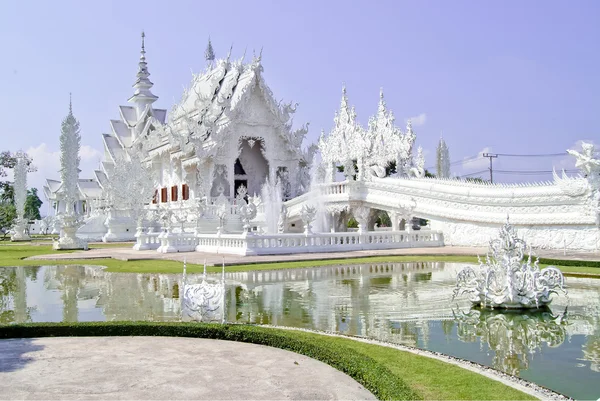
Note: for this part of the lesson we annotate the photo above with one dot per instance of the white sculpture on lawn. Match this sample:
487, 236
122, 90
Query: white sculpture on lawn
70, 219
21, 169
505, 280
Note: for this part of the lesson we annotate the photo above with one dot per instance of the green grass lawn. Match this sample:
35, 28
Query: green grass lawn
387, 372
14, 254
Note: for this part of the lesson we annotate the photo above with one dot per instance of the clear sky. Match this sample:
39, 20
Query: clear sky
504, 76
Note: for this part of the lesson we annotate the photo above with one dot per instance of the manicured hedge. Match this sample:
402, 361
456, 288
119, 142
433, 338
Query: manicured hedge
571, 262
373, 375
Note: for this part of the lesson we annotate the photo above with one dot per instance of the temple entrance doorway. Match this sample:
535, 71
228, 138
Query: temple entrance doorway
251, 168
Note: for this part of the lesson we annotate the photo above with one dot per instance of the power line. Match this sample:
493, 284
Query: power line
532, 155
532, 172
470, 174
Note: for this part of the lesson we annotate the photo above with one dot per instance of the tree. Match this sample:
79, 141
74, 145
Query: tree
8, 215
209, 54
32, 205
428, 174
7, 161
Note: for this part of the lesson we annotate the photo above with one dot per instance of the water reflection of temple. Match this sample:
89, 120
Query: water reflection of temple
387, 301
514, 336
397, 302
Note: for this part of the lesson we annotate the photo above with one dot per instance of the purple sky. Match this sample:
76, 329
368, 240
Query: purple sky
509, 76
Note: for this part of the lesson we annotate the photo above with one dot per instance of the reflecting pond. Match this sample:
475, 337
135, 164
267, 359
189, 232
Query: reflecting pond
405, 303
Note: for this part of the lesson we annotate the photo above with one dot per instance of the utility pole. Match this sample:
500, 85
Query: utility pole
491, 156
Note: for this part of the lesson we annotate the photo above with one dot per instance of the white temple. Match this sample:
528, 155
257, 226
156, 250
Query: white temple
229, 174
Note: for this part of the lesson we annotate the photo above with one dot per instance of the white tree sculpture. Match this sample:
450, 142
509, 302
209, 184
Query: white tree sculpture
130, 186
70, 143
70, 221
443, 160
20, 190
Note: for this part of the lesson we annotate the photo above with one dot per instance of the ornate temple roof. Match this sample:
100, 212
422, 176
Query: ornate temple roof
216, 97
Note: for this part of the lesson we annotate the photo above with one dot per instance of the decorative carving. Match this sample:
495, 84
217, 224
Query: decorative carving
307, 215
205, 301
504, 281
371, 150
589, 163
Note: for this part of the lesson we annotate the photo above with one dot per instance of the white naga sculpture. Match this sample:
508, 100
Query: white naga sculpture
203, 302
505, 281
20, 190
71, 219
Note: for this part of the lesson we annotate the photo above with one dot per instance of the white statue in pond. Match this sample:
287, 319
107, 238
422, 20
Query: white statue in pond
505, 280
205, 301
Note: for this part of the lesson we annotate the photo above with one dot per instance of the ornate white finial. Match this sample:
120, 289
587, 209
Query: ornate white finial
381, 108
142, 95
70, 104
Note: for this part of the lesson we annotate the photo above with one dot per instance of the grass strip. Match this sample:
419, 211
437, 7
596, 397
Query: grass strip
14, 255
390, 374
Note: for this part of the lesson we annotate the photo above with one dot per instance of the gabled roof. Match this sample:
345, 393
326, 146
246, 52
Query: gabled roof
113, 147
214, 97
100, 177
128, 114
53, 185
122, 132
90, 188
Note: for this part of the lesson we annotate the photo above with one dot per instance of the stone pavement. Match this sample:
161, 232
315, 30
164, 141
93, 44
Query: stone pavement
165, 368
213, 259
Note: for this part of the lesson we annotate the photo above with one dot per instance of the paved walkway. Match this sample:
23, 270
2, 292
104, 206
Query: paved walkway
165, 368
213, 259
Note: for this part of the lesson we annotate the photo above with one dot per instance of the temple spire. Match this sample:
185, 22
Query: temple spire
70, 104
381, 109
142, 95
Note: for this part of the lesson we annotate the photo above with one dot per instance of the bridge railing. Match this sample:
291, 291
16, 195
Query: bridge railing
316, 242
261, 244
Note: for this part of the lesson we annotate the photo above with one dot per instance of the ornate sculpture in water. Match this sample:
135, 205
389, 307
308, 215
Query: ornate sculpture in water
505, 280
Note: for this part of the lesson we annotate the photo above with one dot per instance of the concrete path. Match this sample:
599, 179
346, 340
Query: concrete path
213, 259
165, 368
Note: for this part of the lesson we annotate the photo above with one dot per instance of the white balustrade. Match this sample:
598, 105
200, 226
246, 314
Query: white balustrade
145, 241
249, 244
